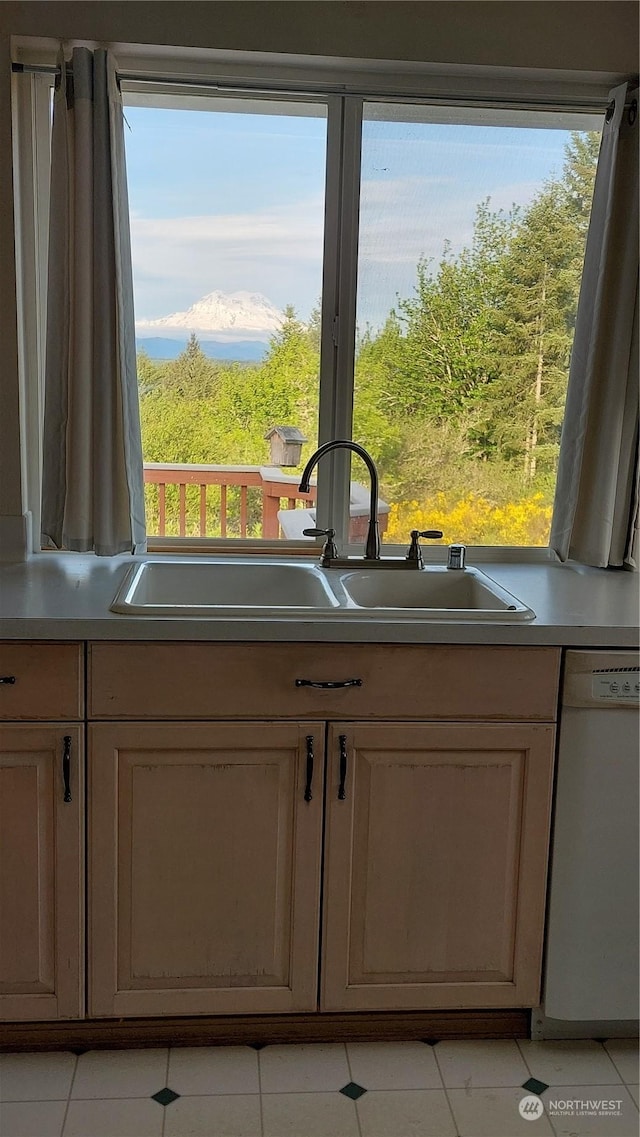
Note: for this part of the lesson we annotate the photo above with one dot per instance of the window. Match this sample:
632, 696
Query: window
472, 236
227, 225
317, 265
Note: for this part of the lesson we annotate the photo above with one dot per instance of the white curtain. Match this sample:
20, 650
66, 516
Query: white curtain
595, 517
92, 492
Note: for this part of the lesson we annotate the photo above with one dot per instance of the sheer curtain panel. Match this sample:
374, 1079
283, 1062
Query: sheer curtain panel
92, 492
595, 517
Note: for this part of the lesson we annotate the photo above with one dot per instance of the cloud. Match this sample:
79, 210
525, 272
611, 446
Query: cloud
237, 230
390, 191
516, 193
405, 219
276, 251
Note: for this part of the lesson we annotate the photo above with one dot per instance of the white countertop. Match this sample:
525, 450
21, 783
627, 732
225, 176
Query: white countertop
66, 596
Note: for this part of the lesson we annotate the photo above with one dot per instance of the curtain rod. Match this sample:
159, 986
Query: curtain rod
578, 103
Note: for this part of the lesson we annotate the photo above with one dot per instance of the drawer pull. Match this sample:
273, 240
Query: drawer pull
331, 685
7, 678
343, 767
66, 767
307, 789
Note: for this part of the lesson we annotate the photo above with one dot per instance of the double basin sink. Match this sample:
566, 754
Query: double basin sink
274, 588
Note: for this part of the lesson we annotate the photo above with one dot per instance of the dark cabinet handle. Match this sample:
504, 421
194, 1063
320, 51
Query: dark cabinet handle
343, 767
330, 685
307, 789
66, 767
7, 678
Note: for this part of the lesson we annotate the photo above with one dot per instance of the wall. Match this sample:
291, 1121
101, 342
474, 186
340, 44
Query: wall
583, 35
561, 35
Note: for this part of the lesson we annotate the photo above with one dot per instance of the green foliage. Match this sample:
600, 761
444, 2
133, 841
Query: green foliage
578, 176
149, 374
192, 375
197, 410
448, 338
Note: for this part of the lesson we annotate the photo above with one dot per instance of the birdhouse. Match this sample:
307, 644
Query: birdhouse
286, 444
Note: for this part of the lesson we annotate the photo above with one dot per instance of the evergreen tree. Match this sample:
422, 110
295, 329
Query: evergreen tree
535, 317
314, 326
448, 352
578, 176
290, 377
192, 374
149, 373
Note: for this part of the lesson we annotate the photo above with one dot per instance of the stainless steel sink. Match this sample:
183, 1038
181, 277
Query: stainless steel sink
198, 587
433, 593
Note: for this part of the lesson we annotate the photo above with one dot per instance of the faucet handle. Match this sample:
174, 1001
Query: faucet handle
414, 553
319, 533
329, 551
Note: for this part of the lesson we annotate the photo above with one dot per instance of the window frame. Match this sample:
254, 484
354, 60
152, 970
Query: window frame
31, 109
344, 92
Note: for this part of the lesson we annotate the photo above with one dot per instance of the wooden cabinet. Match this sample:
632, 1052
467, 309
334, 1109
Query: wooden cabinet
41, 831
435, 865
41, 894
205, 858
209, 829
204, 867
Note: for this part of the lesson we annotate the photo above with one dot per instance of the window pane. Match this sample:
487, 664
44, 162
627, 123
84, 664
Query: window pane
472, 233
227, 214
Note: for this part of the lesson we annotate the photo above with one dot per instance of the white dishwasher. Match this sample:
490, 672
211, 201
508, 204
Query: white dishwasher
591, 970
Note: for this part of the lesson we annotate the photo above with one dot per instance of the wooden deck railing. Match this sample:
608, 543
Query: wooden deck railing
244, 501
248, 499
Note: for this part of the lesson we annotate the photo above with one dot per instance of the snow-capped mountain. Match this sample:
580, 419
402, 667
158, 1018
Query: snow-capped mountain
223, 315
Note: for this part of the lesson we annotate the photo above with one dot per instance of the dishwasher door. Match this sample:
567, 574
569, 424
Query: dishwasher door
591, 970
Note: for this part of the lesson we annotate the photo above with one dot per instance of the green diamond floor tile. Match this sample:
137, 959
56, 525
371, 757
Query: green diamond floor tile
535, 1086
165, 1096
353, 1090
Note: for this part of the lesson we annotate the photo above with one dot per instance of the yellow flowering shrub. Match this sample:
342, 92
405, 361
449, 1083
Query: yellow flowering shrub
473, 520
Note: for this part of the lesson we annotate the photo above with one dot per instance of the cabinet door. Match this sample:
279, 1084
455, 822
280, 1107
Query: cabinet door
41, 847
204, 867
435, 865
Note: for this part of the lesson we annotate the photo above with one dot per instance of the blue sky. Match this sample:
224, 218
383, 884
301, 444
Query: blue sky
234, 201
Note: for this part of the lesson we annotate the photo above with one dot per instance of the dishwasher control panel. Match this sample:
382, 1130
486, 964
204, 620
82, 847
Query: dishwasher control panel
616, 685
604, 679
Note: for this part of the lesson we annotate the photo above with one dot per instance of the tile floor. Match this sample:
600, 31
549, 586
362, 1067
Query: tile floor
403, 1089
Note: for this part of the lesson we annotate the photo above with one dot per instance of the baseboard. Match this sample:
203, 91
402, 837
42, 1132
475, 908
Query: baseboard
547, 1028
230, 1030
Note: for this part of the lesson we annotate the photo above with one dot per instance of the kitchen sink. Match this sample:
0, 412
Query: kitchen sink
198, 587
434, 593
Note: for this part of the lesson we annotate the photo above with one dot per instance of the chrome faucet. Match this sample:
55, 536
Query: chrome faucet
372, 547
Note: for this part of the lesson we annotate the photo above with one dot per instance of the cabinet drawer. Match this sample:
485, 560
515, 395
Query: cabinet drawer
174, 680
42, 681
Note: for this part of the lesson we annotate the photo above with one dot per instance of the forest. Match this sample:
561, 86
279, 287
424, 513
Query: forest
459, 397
